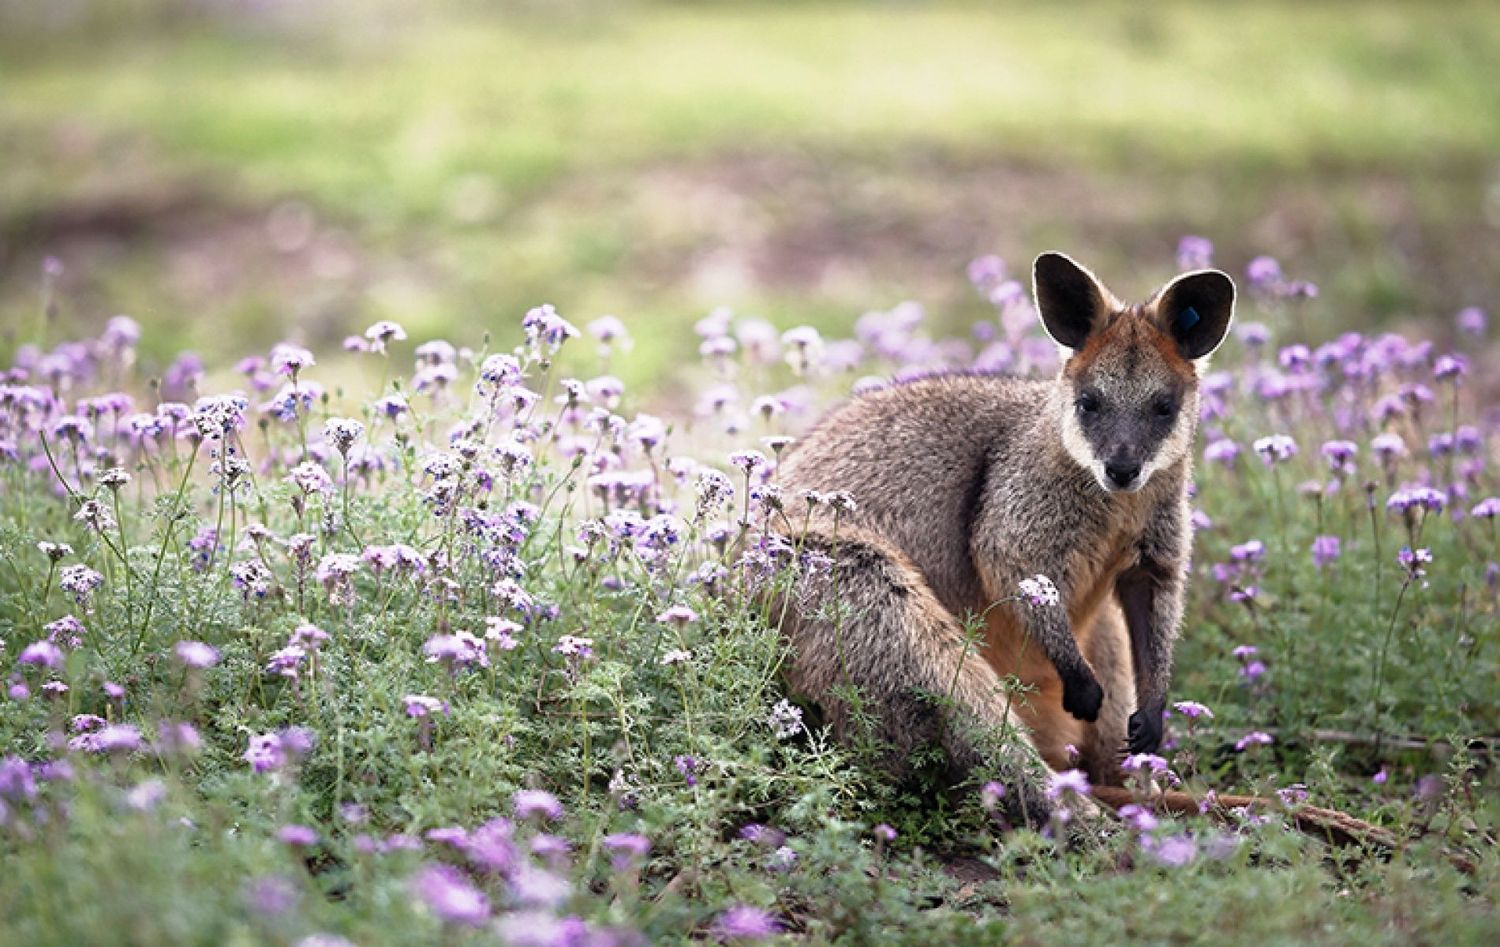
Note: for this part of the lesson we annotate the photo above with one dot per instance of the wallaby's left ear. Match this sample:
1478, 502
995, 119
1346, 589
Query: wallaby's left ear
1196, 309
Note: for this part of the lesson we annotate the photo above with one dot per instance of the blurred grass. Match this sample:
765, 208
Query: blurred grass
456, 163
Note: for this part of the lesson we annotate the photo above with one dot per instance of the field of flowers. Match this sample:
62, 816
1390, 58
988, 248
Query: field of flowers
476, 655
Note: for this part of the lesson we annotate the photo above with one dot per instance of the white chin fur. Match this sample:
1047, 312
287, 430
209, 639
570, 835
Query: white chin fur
1136, 485
1078, 448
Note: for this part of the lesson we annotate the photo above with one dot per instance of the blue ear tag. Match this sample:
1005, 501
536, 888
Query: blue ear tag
1187, 319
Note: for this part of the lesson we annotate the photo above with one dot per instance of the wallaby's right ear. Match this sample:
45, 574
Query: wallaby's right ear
1070, 300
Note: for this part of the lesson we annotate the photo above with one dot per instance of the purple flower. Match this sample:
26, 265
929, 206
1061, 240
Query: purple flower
1144, 763
1251, 551
450, 896
785, 719
748, 460
1471, 321
1222, 451
743, 922
1068, 781
271, 895
1038, 591
1263, 272
884, 833
1194, 253
1193, 710
17, 781
985, 272
220, 415
252, 578
1450, 367
537, 887
297, 836
265, 754
1253, 334
1139, 818
116, 738
1174, 851
546, 331
1425, 498
1340, 455
196, 654
270, 752
146, 795
456, 651
626, 848
342, 433
1325, 549
678, 615
173, 737
803, 348
41, 654
287, 662
80, 582
420, 705
688, 767
308, 636
383, 332
536, 802
1486, 509
1293, 795
1414, 561
1388, 447
287, 359
56, 552
990, 794
1275, 448
1295, 358
1253, 738
571, 646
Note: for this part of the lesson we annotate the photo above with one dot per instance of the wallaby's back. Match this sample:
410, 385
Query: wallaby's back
917, 457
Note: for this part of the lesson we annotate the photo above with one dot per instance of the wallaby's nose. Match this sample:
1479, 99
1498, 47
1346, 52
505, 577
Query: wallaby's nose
1122, 474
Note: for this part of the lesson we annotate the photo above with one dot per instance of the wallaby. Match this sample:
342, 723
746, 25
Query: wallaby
964, 485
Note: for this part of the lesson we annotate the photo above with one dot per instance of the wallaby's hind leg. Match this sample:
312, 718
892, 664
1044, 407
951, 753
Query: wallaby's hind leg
1107, 650
873, 624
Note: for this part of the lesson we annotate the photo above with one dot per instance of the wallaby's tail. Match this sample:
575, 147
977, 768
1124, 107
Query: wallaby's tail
1334, 827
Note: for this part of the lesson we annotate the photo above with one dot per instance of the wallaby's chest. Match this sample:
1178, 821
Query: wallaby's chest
1098, 553
1094, 565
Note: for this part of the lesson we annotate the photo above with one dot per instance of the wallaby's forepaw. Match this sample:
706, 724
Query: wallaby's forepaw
1082, 696
1145, 730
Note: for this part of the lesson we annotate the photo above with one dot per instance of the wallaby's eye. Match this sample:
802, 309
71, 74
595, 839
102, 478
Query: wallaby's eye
1087, 403
1164, 408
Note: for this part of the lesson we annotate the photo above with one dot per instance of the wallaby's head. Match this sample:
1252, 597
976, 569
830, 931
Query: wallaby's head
1128, 389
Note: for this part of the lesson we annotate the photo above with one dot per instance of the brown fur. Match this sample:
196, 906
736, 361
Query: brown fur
967, 484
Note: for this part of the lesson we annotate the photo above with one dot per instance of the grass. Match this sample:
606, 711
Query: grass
806, 160
495, 741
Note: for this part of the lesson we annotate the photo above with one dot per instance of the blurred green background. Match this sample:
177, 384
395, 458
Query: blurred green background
231, 173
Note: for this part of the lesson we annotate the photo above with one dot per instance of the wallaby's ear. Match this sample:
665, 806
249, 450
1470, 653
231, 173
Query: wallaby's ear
1195, 309
1070, 300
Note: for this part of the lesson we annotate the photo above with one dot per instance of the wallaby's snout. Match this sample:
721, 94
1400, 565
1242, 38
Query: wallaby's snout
1123, 470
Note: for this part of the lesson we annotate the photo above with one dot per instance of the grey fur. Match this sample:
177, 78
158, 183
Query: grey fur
965, 485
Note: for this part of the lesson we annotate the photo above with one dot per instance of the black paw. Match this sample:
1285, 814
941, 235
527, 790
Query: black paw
1145, 730
1082, 695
